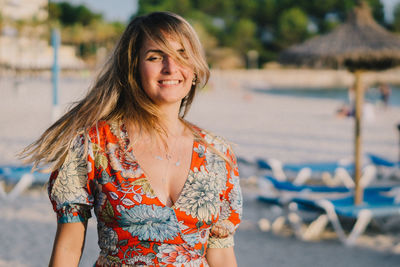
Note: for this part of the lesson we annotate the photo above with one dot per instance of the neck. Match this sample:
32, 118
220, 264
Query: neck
170, 120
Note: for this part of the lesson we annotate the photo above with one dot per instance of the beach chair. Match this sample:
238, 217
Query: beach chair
281, 193
330, 173
285, 193
21, 177
385, 167
375, 205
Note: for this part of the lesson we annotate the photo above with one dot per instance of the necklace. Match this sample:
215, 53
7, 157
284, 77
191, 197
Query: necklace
177, 163
169, 155
151, 148
168, 158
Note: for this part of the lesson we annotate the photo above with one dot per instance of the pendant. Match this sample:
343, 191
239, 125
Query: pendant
178, 163
159, 157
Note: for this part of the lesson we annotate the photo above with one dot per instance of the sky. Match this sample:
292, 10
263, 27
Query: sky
389, 8
122, 10
112, 10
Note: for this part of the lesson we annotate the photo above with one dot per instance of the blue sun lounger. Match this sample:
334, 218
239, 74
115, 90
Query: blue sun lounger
22, 177
385, 167
315, 188
331, 172
281, 193
375, 205
298, 201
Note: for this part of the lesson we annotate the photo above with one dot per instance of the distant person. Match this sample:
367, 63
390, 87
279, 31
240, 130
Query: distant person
165, 192
344, 111
385, 92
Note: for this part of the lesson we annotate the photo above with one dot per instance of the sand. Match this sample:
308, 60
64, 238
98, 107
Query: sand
291, 129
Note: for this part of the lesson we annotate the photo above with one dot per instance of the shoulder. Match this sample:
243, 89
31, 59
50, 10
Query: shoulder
105, 131
217, 141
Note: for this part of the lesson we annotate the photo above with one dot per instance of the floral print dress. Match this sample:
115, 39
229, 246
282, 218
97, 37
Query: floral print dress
134, 227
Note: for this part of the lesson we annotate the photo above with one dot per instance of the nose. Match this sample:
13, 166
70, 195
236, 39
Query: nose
169, 65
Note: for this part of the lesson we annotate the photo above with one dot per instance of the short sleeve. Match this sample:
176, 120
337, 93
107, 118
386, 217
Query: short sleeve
221, 234
69, 190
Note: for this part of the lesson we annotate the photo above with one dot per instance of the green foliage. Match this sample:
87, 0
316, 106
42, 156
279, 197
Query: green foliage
319, 8
266, 12
243, 37
328, 25
54, 11
245, 9
227, 28
292, 26
83, 28
396, 22
344, 6
181, 7
267, 26
377, 10
218, 8
69, 14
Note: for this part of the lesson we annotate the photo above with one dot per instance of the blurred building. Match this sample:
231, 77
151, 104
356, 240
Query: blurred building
24, 9
24, 38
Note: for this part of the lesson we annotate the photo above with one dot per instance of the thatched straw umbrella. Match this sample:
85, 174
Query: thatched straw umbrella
359, 44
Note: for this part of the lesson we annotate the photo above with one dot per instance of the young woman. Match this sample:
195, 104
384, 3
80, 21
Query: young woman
165, 192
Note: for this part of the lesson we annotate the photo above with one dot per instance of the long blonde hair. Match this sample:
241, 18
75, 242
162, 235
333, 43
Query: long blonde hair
117, 93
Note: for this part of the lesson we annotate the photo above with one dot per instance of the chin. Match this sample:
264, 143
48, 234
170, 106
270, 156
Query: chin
169, 100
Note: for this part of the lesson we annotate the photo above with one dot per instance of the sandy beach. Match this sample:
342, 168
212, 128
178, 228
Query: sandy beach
290, 129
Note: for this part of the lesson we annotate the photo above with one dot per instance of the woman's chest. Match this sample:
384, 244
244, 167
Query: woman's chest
122, 185
166, 173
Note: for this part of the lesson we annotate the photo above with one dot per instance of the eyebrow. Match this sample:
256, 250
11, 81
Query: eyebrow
154, 51
162, 52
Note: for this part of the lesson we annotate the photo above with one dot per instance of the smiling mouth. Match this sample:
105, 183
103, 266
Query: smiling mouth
170, 82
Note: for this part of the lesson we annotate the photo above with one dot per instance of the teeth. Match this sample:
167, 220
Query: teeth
171, 82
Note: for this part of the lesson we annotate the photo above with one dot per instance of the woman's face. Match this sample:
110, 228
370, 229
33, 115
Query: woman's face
163, 79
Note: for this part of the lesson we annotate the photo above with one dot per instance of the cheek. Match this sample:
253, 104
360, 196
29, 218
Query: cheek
143, 78
189, 75
146, 74
189, 79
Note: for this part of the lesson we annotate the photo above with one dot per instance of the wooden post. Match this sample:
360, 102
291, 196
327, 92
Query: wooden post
358, 198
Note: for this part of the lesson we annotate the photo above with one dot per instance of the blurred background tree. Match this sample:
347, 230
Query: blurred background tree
228, 29
396, 21
267, 26
86, 30
292, 27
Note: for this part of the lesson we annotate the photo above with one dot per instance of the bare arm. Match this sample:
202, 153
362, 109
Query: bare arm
221, 257
68, 244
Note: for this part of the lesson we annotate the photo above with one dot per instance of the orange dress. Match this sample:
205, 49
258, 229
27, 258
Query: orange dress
134, 226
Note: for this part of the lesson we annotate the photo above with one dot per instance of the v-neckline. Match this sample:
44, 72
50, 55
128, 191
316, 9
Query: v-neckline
129, 150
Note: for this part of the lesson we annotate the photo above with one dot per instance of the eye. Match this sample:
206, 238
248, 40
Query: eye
182, 52
154, 58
